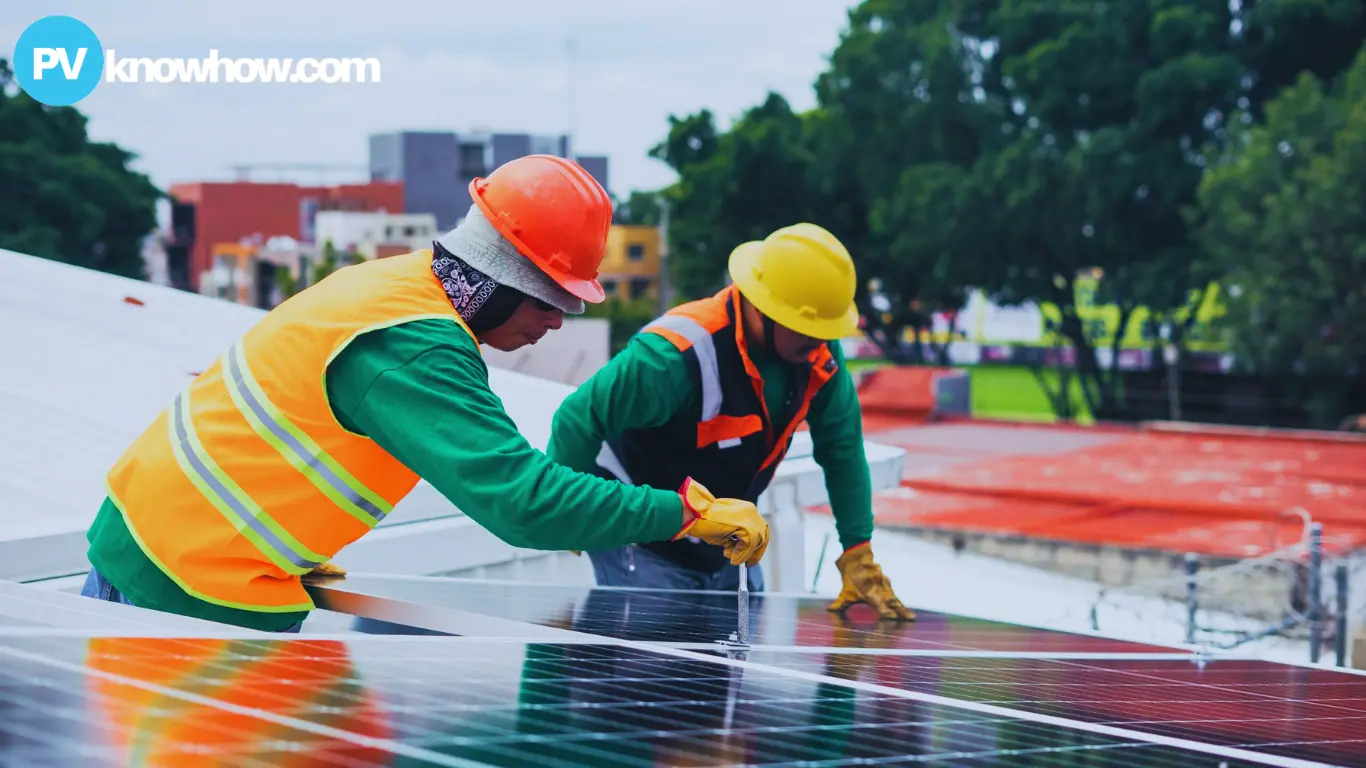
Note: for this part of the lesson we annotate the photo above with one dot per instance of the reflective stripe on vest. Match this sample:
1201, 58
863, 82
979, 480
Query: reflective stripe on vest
702, 344
245, 515
298, 448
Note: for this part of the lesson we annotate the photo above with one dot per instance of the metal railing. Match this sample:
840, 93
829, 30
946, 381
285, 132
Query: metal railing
1281, 594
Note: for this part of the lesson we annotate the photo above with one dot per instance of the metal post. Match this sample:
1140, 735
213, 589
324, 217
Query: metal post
663, 254
1192, 598
819, 562
1340, 638
1315, 591
1171, 355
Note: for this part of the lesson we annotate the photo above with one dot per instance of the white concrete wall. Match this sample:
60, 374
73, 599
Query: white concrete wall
568, 356
366, 228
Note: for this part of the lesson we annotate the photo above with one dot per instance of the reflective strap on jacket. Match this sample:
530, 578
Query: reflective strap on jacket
324, 472
702, 344
230, 500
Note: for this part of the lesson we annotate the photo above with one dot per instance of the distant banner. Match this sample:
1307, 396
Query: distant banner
983, 322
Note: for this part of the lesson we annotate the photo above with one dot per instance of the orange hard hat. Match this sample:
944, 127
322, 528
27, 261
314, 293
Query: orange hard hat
555, 213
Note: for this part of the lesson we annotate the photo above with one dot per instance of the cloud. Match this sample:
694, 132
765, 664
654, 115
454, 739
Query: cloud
446, 66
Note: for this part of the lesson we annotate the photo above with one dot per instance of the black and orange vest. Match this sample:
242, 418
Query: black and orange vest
246, 480
735, 443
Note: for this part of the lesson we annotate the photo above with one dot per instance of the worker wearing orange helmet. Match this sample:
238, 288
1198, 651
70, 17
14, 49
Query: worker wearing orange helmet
715, 390
325, 415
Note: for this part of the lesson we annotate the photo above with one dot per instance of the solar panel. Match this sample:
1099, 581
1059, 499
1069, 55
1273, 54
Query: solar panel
697, 618
462, 701
1297, 712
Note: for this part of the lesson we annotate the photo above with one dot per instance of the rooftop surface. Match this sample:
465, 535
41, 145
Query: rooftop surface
1222, 492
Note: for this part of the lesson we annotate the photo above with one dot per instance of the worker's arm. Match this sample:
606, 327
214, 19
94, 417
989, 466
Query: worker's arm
836, 424
420, 390
837, 445
644, 386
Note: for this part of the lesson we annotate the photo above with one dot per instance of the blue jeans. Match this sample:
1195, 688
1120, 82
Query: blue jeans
98, 587
633, 566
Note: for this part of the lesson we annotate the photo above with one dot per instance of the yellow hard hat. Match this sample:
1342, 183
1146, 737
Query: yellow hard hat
802, 278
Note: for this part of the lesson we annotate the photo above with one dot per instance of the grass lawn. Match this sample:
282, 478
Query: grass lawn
1006, 392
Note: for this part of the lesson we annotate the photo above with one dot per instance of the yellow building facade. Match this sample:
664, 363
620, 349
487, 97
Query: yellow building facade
630, 267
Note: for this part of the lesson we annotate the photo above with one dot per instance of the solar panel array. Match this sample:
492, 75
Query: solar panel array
546, 675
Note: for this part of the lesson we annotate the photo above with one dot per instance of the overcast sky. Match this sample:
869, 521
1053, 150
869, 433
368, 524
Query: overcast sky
448, 65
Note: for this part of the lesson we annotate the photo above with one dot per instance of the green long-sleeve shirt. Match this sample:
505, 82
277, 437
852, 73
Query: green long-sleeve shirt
648, 382
420, 390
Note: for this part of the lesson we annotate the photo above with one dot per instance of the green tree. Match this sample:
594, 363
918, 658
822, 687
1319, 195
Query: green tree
624, 317
1283, 217
64, 197
329, 262
898, 132
642, 208
734, 187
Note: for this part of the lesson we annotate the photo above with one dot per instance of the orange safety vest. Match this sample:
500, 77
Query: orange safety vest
163, 721
735, 444
246, 481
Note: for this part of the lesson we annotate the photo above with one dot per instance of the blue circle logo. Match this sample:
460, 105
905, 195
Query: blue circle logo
58, 60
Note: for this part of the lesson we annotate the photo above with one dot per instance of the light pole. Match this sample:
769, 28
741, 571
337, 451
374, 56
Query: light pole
1171, 354
663, 254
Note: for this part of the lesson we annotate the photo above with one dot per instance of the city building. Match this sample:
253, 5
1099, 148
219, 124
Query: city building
630, 268
436, 167
256, 272
206, 214
375, 234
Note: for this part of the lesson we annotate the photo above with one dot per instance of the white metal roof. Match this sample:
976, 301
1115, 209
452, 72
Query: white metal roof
85, 370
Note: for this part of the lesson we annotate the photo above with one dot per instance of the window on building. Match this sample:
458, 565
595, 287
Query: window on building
609, 287
635, 251
472, 160
639, 286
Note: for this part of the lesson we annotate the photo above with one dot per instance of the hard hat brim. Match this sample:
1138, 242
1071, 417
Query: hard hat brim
590, 291
743, 261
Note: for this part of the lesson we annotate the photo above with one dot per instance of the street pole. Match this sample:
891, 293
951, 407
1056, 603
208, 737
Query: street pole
571, 49
663, 255
1171, 354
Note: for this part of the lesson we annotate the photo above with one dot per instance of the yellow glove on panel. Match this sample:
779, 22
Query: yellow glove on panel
327, 569
733, 524
864, 582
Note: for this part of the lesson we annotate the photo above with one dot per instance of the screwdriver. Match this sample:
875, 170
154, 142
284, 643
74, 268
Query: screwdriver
743, 599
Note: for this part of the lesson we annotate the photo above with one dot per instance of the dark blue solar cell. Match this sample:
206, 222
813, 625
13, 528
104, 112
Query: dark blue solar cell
457, 701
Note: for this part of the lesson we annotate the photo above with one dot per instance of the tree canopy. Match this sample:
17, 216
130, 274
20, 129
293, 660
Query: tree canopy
1283, 222
64, 197
1012, 146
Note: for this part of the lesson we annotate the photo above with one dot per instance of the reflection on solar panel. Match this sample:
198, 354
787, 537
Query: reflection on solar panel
557, 676
471, 702
705, 617
1279, 709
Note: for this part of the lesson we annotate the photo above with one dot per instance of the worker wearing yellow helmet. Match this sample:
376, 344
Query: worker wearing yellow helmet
714, 390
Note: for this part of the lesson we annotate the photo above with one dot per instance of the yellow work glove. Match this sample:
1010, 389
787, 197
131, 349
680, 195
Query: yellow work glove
864, 582
327, 569
732, 524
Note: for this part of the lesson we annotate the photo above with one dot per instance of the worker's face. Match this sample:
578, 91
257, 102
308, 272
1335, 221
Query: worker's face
790, 345
532, 320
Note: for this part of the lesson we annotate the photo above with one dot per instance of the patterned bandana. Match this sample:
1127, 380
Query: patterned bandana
468, 288
483, 303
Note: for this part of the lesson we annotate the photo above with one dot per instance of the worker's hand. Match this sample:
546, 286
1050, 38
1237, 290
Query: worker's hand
328, 569
732, 524
864, 582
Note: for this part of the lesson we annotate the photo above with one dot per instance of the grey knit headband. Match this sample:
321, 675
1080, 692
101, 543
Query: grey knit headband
476, 242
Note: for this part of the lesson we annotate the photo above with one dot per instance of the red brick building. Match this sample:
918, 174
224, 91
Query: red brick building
203, 214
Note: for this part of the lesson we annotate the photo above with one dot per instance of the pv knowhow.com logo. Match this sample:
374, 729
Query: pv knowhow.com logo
58, 61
